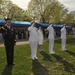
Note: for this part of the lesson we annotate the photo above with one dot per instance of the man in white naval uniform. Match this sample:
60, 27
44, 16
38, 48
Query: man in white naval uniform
40, 39
63, 37
51, 38
33, 40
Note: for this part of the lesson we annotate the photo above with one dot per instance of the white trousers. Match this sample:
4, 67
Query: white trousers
63, 45
33, 45
51, 44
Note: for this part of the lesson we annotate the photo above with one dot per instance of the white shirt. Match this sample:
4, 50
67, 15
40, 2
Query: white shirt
51, 32
8, 27
33, 33
63, 33
0, 36
40, 34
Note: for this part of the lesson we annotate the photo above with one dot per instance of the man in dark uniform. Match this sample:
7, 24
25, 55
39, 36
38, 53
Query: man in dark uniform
9, 40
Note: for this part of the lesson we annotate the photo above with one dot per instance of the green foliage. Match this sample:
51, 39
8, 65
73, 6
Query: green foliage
13, 11
37, 7
62, 63
55, 12
68, 19
73, 14
49, 11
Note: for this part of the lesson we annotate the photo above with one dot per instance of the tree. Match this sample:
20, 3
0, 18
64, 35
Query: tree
36, 8
0, 6
55, 12
11, 10
73, 14
25, 16
49, 11
68, 19
5, 7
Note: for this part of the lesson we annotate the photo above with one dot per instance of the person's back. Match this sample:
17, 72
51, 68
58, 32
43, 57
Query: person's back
40, 34
0, 36
40, 39
63, 33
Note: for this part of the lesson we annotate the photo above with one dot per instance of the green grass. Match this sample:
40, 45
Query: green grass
62, 63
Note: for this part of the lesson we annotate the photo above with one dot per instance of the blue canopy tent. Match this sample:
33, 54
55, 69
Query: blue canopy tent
26, 23
56, 26
16, 23
2, 22
21, 23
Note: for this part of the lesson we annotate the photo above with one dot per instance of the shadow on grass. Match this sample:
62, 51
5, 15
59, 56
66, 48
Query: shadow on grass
68, 66
71, 41
38, 69
68, 41
46, 56
58, 41
7, 70
71, 53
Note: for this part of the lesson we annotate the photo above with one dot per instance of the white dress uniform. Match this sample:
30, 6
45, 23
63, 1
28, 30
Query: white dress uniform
33, 41
51, 39
0, 36
63, 37
40, 37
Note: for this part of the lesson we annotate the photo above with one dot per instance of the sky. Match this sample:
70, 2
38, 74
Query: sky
21, 3
69, 4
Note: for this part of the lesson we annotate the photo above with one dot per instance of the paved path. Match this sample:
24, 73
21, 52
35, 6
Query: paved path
17, 43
